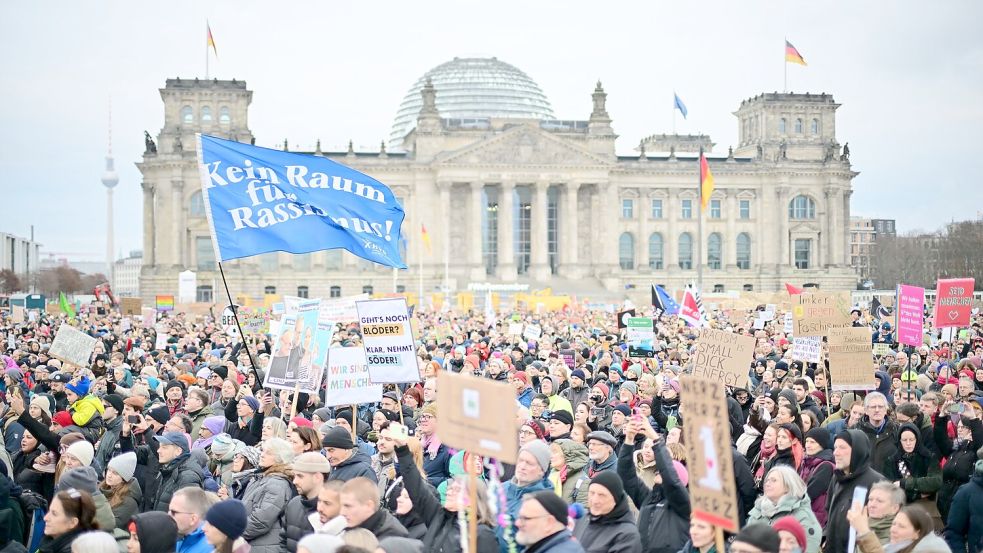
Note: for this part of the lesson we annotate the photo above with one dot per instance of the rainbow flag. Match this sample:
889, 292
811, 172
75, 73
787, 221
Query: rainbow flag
210, 39
706, 182
426, 238
165, 303
792, 55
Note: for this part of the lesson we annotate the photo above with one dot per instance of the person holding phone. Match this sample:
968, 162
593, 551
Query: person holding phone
851, 456
960, 453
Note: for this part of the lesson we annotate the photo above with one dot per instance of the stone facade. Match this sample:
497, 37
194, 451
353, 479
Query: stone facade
543, 202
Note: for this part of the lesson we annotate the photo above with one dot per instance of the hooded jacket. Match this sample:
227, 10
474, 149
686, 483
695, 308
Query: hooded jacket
664, 509
182, 472
572, 484
265, 500
918, 472
295, 521
614, 532
840, 495
513, 501
109, 445
817, 472
958, 468
156, 532
576, 396
964, 526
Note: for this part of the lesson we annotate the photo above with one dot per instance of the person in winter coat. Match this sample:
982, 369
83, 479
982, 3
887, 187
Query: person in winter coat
532, 469
851, 456
436, 455
879, 428
175, 469
702, 537
109, 444
225, 522
542, 525
266, 498
913, 467
442, 526
960, 453
788, 448
245, 419
152, 532
577, 392
121, 489
86, 409
964, 527
70, 514
346, 461
785, 495
817, 470
609, 526
664, 509
568, 461
912, 531
310, 471
361, 508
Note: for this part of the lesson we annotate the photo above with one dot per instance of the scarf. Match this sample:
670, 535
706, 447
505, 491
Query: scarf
175, 406
766, 454
431, 444
881, 527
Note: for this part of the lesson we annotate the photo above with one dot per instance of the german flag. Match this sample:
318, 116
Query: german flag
706, 182
792, 55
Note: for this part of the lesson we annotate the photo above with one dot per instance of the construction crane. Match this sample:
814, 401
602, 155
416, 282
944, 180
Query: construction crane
107, 290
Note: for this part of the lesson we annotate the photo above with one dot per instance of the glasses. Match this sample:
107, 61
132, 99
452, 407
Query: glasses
426, 417
522, 518
526, 432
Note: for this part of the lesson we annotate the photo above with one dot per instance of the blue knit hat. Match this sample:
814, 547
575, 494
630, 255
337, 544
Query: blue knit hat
81, 388
229, 517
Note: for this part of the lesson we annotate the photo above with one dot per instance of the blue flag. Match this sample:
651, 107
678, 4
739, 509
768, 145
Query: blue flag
680, 105
260, 200
662, 300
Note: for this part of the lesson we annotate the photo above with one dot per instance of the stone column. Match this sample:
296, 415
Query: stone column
831, 232
506, 244
539, 268
670, 246
444, 189
784, 259
477, 208
609, 206
731, 210
149, 259
642, 242
568, 232
181, 229
844, 232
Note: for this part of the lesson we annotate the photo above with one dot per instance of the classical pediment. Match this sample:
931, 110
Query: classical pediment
523, 145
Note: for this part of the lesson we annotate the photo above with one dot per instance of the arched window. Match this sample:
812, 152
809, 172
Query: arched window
685, 251
206, 114
814, 127
223, 115
655, 251
626, 250
187, 115
798, 126
197, 205
781, 125
714, 251
743, 251
802, 207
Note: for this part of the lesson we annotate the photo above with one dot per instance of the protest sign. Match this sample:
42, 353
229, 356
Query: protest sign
228, 320
533, 332
161, 341
815, 313
130, 306
641, 337
52, 309
569, 358
953, 302
515, 329
72, 346
388, 340
18, 314
148, 315
164, 303
759, 323
712, 485
807, 348
723, 356
470, 415
851, 362
623, 317
347, 380
911, 310
259, 200
881, 349
295, 350
789, 323
340, 310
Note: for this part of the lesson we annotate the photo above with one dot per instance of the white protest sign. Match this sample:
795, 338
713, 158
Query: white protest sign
789, 323
515, 329
72, 346
161, 341
228, 320
807, 348
388, 339
274, 327
347, 380
533, 332
147, 316
759, 323
340, 310
769, 313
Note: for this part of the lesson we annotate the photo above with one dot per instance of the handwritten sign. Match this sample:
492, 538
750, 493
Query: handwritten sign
131, 306
388, 339
789, 324
723, 357
470, 415
18, 314
851, 361
712, 486
72, 346
515, 329
807, 348
533, 332
881, 349
953, 302
347, 379
816, 313
911, 310
341, 310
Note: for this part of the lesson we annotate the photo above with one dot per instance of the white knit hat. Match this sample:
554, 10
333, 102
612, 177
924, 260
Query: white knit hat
83, 451
124, 465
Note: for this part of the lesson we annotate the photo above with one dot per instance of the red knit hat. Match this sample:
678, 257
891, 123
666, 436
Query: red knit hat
603, 388
792, 526
62, 418
521, 375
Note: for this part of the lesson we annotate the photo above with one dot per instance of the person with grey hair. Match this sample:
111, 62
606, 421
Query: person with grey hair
883, 503
881, 431
785, 495
319, 543
266, 498
94, 542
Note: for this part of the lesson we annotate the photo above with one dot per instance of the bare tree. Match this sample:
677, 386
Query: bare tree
9, 282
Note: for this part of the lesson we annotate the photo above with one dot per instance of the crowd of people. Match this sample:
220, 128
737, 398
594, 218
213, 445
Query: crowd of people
180, 448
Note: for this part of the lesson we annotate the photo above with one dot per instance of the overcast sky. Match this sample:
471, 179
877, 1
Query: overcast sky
908, 74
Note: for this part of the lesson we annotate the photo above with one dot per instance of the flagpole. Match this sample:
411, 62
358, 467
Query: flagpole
235, 316
419, 302
785, 68
674, 112
206, 54
699, 221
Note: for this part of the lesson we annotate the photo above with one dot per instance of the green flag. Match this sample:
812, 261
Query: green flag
65, 306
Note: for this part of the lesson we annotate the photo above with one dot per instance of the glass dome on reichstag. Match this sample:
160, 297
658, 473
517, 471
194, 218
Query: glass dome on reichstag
470, 90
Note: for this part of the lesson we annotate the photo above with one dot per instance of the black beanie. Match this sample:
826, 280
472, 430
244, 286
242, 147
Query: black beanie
821, 436
760, 535
222, 371
554, 505
160, 414
563, 416
174, 384
338, 437
610, 480
793, 429
115, 400
229, 517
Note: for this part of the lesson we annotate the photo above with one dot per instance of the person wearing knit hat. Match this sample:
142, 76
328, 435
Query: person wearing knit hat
560, 425
83, 479
115, 401
79, 454
611, 525
160, 415
759, 536
790, 533
225, 522
62, 419
43, 403
310, 472
542, 524
346, 460
124, 465
821, 437
540, 452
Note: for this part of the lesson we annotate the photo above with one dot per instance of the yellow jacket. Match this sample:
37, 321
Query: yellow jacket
84, 409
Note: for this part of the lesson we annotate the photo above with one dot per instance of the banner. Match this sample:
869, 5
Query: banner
706, 434
471, 418
641, 337
953, 302
807, 348
72, 346
911, 310
347, 379
851, 359
260, 200
814, 313
723, 356
340, 310
295, 351
164, 303
388, 339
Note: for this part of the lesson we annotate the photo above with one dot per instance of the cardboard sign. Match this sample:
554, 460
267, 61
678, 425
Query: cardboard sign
723, 357
52, 309
295, 350
953, 302
641, 337
471, 415
712, 486
130, 306
161, 341
72, 346
807, 348
347, 379
164, 303
817, 312
18, 314
533, 332
851, 361
388, 340
911, 308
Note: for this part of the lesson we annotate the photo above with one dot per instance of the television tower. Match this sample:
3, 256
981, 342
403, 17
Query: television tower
110, 179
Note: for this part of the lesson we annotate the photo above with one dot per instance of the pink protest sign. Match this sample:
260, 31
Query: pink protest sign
911, 307
953, 302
